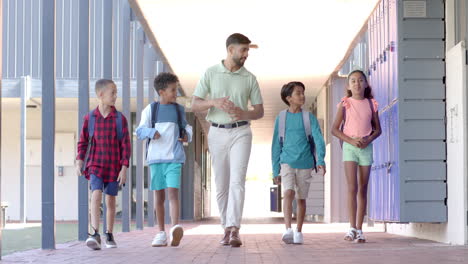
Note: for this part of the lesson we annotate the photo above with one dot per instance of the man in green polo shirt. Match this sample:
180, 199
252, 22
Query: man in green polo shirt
225, 91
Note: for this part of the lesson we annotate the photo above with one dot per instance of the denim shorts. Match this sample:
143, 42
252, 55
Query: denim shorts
109, 188
164, 175
363, 157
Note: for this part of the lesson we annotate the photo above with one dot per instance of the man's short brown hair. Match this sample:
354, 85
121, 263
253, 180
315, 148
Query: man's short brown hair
101, 84
237, 38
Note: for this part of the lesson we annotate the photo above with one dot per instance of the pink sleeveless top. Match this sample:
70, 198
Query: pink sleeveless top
358, 116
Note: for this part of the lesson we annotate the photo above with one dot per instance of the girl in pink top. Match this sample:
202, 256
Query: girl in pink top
358, 112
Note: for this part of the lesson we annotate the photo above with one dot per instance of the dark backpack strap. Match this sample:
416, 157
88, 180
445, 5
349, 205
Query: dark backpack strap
179, 116
372, 111
344, 114
182, 131
119, 126
370, 104
154, 119
91, 122
306, 122
154, 113
343, 111
310, 138
282, 127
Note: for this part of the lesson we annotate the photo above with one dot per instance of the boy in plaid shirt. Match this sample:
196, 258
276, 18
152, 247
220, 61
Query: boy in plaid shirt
107, 159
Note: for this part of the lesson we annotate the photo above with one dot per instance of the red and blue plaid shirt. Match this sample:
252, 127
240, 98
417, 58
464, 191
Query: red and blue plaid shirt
107, 154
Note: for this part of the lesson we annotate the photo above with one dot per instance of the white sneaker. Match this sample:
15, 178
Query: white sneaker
288, 236
298, 237
176, 233
360, 238
351, 235
160, 240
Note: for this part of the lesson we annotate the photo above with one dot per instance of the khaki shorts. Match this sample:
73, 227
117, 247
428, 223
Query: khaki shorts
297, 180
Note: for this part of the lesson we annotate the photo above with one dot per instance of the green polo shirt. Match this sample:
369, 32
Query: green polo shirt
217, 82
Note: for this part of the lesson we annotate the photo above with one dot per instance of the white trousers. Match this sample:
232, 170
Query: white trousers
230, 152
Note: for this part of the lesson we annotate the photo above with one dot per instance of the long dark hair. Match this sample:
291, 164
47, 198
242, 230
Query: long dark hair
367, 91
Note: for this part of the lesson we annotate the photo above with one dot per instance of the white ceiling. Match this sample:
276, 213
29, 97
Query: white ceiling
301, 40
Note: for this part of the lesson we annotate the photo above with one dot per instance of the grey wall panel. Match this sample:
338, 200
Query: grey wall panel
422, 69
432, 49
429, 129
429, 191
27, 38
59, 37
36, 36
133, 48
425, 170
19, 37
117, 51
92, 39
423, 89
9, 39
74, 52
96, 40
67, 39
422, 109
429, 211
422, 150
22, 39
422, 29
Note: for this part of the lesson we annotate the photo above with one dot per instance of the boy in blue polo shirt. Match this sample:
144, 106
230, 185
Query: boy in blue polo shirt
297, 149
164, 124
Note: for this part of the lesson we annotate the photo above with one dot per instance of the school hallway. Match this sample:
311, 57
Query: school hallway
262, 244
414, 54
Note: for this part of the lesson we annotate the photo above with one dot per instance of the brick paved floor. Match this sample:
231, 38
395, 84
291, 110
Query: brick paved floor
262, 244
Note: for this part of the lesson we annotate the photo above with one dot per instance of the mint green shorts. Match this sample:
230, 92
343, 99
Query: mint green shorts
363, 157
164, 175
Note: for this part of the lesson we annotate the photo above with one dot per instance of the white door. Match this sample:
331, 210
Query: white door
457, 197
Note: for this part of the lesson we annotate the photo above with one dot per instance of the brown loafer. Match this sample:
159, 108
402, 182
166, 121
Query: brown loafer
225, 240
234, 240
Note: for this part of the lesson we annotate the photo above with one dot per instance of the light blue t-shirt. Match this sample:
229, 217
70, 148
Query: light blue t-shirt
296, 149
168, 148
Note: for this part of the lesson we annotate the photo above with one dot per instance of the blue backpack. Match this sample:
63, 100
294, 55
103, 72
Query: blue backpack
154, 119
91, 123
307, 128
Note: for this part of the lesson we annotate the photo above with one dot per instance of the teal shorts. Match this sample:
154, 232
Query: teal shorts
363, 157
164, 175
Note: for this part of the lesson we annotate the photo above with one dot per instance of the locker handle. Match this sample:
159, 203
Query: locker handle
389, 167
